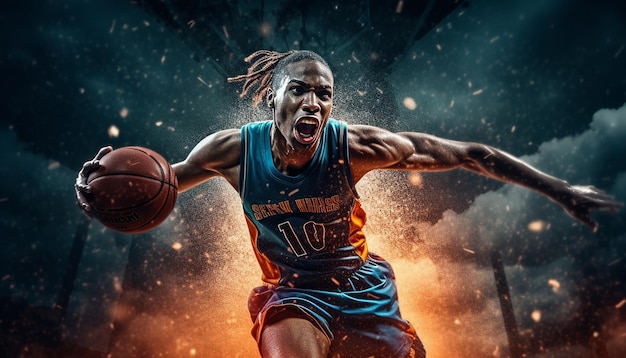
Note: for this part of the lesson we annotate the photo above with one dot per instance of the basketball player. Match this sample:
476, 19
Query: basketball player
324, 294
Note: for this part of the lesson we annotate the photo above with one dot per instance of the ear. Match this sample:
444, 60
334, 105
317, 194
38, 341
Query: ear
269, 98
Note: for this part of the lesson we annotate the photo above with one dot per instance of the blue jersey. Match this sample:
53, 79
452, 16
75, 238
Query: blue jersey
306, 229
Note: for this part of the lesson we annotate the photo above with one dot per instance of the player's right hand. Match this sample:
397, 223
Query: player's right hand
81, 187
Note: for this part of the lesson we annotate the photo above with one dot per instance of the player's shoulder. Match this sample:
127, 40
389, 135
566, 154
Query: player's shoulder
230, 136
221, 142
228, 133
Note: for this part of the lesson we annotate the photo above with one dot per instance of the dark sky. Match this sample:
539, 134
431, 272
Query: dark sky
544, 80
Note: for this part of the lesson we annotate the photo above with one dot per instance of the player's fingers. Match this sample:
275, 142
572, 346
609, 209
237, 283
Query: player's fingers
84, 172
82, 201
589, 221
607, 204
90, 166
613, 206
102, 152
83, 188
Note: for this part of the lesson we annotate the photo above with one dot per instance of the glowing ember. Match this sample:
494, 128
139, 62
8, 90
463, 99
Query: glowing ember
54, 165
124, 112
399, 6
537, 226
409, 103
265, 29
177, 246
113, 131
117, 284
536, 315
416, 179
554, 284
203, 81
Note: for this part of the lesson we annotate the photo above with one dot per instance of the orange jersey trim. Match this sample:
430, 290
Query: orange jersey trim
357, 237
270, 271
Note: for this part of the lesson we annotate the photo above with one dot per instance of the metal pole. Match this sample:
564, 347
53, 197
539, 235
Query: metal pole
506, 305
71, 269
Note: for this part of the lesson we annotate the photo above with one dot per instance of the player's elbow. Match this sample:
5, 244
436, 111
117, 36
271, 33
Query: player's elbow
479, 155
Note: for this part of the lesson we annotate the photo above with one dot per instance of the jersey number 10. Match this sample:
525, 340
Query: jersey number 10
315, 237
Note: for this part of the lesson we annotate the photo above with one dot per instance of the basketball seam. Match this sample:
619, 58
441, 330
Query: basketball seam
143, 202
169, 194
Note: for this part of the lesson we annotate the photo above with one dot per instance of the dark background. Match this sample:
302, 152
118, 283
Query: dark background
544, 80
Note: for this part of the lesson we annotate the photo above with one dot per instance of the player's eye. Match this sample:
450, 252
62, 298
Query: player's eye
297, 90
325, 95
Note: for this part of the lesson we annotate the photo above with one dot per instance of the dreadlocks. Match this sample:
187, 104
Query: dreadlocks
265, 64
260, 72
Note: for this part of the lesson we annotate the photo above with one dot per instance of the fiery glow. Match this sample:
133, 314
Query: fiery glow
208, 314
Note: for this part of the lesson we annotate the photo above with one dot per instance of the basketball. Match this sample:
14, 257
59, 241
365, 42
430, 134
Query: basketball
133, 191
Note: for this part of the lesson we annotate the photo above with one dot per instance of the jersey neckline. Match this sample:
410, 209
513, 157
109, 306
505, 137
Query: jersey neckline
277, 174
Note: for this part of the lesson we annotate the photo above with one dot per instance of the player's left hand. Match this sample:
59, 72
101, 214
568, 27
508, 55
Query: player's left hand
580, 201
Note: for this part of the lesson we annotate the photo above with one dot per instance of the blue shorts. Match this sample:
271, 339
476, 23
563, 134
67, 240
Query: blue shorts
361, 321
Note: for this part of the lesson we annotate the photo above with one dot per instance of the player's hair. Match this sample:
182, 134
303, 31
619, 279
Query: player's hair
268, 68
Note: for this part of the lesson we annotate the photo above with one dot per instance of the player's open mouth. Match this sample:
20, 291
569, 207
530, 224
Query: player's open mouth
306, 130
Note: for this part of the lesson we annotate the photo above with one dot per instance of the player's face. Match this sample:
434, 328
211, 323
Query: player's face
303, 103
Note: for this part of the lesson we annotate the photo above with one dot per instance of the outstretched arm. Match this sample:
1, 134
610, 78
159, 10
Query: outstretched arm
374, 148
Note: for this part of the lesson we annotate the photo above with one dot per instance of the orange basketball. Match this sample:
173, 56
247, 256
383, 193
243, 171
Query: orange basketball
133, 191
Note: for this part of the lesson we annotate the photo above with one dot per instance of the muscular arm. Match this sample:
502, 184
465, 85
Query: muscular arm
374, 148
216, 155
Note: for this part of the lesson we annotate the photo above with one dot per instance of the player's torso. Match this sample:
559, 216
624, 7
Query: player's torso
307, 227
